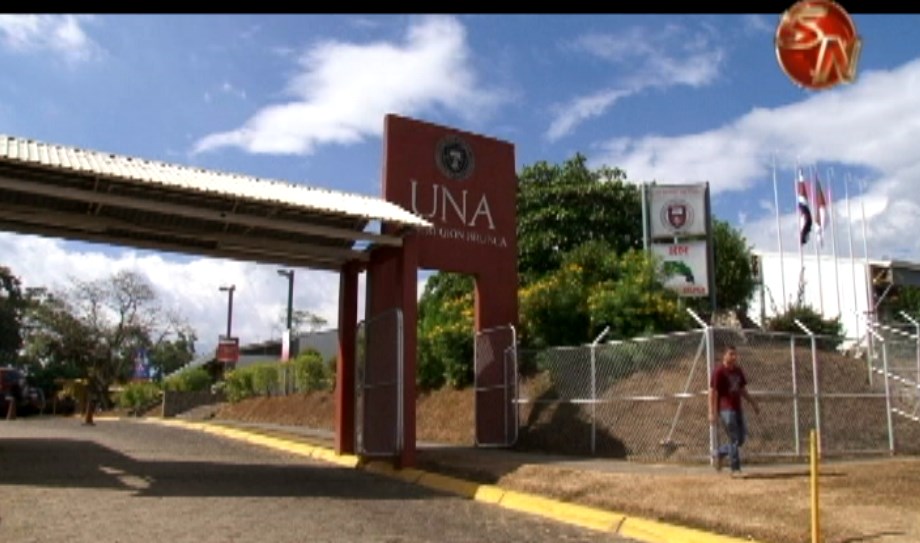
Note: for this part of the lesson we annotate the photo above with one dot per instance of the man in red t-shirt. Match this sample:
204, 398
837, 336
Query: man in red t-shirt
726, 389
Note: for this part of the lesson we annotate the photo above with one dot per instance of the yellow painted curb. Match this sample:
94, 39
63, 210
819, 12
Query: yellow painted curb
448, 484
645, 530
580, 515
409, 475
489, 494
329, 455
660, 532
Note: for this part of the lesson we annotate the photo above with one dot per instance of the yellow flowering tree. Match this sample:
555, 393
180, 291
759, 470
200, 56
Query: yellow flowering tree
445, 332
595, 288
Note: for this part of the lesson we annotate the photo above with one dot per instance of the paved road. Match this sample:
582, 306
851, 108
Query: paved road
122, 481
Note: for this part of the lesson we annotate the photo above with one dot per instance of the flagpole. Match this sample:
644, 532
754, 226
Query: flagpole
779, 237
830, 206
846, 188
798, 181
819, 232
870, 311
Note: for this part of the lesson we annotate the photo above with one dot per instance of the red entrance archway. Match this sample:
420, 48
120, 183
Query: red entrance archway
465, 185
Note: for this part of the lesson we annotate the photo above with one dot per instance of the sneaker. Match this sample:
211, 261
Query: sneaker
736, 474
718, 461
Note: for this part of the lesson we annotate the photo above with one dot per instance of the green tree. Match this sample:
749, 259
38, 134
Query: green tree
581, 268
174, 348
595, 288
97, 327
12, 305
902, 298
303, 321
632, 299
735, 283
445, 324
56, 344
560, 207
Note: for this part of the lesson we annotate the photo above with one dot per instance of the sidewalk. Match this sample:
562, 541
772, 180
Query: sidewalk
475, 473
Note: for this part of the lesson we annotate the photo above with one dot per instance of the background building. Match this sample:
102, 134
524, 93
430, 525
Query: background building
853, 289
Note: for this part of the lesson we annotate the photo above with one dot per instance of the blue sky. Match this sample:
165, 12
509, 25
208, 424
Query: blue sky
671, 98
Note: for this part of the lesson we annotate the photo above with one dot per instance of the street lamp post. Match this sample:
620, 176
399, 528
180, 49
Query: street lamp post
290, 307
229, 290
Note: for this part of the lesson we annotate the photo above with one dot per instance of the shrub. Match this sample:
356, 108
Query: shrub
829, 331
239, 385
264, 378
139, 394
188, 380
310, 372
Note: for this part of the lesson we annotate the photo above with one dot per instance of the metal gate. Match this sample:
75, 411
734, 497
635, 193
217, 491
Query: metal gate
496, 387
379, 385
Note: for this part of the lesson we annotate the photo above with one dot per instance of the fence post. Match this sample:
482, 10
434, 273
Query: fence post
594, 387
817, 383
917, 348
887, 378
710, 367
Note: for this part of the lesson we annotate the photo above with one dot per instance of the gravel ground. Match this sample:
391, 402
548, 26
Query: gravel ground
120, 481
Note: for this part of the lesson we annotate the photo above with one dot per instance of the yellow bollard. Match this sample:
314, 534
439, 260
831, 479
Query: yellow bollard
815, 520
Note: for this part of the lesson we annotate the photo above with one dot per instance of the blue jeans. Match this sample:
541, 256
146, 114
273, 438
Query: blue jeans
736, 428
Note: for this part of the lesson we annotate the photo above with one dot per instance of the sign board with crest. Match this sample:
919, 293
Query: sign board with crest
677, 210
678, 231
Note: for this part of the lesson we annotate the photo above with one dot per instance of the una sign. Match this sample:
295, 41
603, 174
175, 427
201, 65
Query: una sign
463, 183
677, 210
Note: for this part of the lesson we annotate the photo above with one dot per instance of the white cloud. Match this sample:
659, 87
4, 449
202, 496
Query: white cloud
870, 126
760, 23
190, 286
364, 22
873, 123
344, 90
61, 34
658, 59
581, 109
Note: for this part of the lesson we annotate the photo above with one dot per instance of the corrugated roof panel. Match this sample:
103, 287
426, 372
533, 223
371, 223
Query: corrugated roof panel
32, 151
61, 156
13, 149
64, 157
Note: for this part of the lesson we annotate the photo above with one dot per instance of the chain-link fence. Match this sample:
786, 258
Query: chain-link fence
647, 399
634, 399
895, 353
